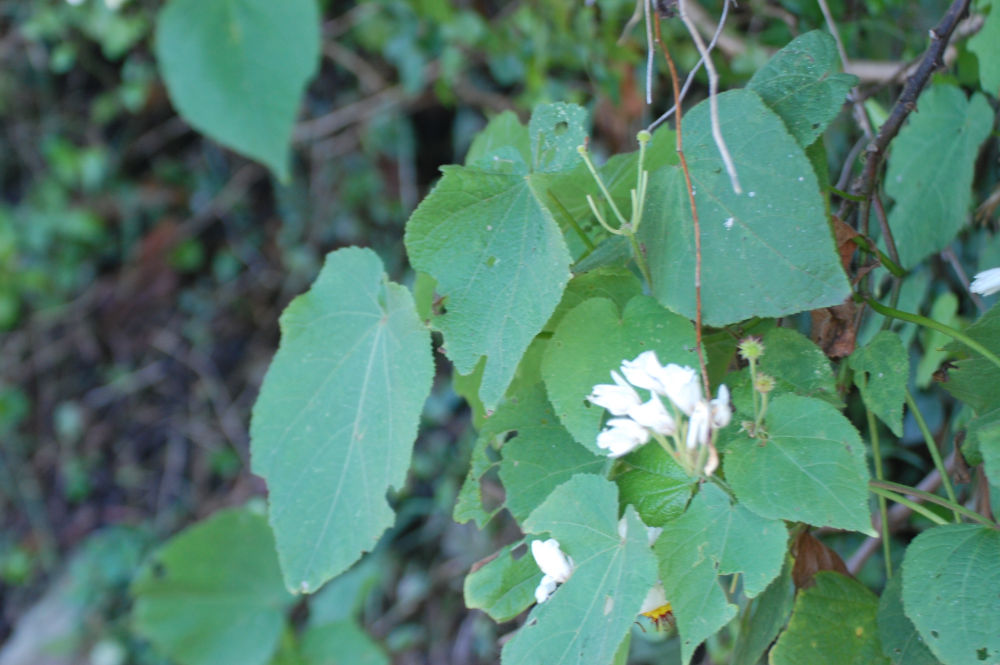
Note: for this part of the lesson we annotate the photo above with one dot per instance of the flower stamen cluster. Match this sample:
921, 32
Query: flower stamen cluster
690, 422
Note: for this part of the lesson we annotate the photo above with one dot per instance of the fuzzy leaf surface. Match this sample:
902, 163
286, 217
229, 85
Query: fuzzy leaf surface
811, 467
588, 617
802, 84
486, 235
901, 643
766, 252
951, 592
714, 537
334, 425
213, 594
833, 623
930, 170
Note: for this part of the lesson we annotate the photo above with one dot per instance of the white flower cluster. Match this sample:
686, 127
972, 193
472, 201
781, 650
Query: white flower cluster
556, 567
987, 282
637, 420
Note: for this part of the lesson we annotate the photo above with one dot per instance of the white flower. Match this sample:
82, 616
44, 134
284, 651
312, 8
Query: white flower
622, 436
644, 372
722, 413
618, 398
987, 282
681, 385
545, 589
698, 428
556, 566
653, 415
655, 599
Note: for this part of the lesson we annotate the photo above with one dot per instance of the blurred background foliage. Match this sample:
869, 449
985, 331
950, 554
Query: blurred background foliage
143, 268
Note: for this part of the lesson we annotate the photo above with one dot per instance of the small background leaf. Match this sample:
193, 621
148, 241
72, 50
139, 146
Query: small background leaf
933, 195
810, 469
340, 642
236, 69
768, 616
833, 623
881, 372
712, 538
589, 616
951, 592
213, 594
503, 587
801, 84
334, 424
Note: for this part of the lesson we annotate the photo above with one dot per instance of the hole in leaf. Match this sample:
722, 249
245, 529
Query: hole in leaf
159, 570
934, 634
491, 261
982, 653
560, 128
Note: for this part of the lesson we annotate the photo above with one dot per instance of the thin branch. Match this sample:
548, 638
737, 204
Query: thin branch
948, 254
650, 48
907, 102
828, 17
694, 212
713, 96
697, 67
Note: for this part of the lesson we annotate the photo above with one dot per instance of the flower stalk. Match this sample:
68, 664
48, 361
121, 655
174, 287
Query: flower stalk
630, 227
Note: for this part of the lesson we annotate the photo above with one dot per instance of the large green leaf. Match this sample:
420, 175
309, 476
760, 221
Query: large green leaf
810, 467
833, 623
942, 137
486, 235
801, 84
881, 372
951, 592
593, 339
334, 425
236, 69
589, 616
503, 587
900, 641
714, 537
766, 252
213, 594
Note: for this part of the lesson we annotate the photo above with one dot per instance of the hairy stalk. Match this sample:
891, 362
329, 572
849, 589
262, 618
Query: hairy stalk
883, 510
956, 335
699, 347
932, 447
930, 498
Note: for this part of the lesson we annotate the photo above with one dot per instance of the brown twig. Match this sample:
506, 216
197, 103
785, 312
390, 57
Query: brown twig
905, 104
694, 209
